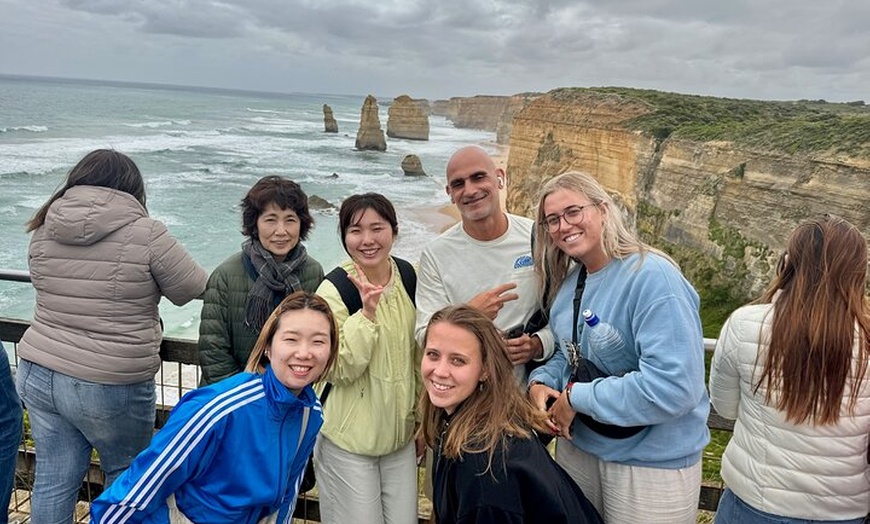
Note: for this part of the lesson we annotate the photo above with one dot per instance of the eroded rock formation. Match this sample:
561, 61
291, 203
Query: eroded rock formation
446, 108
319, 203
329, 123
406, 119
423, 104
476, 112
723, 210
488, 113
506, 121
412, 166
370, 135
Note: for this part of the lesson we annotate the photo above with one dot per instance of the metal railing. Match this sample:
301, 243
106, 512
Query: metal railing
14, 275
179, 374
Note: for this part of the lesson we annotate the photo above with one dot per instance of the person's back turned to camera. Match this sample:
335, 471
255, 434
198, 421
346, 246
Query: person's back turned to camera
792, 370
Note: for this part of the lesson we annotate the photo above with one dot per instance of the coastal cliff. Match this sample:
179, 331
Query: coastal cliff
717, 183
488, 113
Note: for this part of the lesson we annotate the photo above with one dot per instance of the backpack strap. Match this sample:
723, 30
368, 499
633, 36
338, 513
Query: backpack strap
350, 294
409, 278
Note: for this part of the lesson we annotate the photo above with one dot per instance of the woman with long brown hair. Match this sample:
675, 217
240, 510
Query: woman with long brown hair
489, 466
792, 370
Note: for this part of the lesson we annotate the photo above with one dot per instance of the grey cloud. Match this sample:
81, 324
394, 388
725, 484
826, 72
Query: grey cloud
99, 7
188, 18
823, 53
456, 47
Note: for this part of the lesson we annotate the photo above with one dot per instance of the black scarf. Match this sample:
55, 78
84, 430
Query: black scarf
274, 279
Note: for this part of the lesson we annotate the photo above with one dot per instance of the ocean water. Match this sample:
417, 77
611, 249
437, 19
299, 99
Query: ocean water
200, 151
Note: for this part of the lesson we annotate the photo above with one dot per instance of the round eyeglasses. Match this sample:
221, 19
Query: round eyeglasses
573, 215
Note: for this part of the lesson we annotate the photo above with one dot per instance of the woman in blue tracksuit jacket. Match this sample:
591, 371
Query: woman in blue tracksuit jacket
236, 451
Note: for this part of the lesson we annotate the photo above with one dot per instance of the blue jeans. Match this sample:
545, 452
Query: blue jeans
10, 433
68, 418
733, 510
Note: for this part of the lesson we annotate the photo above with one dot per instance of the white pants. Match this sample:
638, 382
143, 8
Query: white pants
366, 490
626, 494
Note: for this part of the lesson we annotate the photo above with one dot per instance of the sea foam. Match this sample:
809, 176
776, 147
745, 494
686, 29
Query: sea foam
31, 129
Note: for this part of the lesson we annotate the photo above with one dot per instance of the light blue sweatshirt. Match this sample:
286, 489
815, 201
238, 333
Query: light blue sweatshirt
655, 310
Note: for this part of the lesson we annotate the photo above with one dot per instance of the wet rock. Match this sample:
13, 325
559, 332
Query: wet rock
316, 202
412, 166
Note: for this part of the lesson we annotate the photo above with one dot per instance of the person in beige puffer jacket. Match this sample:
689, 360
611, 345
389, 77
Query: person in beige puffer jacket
99, 265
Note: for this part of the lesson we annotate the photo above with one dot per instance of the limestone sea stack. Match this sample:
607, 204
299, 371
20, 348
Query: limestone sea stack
407, 120
412, 166
370, 135
329, 123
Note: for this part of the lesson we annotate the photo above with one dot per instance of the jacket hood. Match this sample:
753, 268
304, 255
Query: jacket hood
85, 215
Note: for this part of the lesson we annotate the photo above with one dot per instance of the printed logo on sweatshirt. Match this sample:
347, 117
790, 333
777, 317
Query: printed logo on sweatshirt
523, 261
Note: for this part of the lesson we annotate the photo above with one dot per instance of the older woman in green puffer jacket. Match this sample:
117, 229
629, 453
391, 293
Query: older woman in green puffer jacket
246, 287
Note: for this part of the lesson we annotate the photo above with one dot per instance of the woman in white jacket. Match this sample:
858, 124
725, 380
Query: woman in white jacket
792, 370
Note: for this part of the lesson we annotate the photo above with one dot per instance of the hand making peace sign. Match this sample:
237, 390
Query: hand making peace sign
369, 293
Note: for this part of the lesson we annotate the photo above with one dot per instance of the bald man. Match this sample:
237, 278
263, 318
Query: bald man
485, 260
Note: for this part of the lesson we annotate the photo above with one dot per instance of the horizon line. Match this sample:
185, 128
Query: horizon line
168, 87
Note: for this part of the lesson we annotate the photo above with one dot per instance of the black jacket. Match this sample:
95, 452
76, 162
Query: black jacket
525, 485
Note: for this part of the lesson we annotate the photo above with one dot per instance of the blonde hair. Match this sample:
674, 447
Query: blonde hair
299, 300
551, 263
496, 410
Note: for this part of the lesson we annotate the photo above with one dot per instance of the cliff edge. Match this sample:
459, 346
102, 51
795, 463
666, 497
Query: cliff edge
718, 183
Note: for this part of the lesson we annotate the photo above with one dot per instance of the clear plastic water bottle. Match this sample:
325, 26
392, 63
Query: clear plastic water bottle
603, 340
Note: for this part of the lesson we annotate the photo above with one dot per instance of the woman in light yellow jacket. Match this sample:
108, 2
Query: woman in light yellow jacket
365, 457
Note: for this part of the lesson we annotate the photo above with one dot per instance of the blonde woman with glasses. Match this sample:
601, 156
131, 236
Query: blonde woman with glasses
631, 438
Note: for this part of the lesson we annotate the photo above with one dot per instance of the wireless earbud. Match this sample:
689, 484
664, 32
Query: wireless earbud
500, 182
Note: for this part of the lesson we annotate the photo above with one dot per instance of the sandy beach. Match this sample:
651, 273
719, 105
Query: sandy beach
440, 218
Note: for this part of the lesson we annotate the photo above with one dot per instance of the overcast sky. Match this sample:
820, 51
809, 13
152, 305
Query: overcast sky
769, 49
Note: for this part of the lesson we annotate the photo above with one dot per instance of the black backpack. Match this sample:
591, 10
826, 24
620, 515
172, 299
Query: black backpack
352, 301
350, 294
